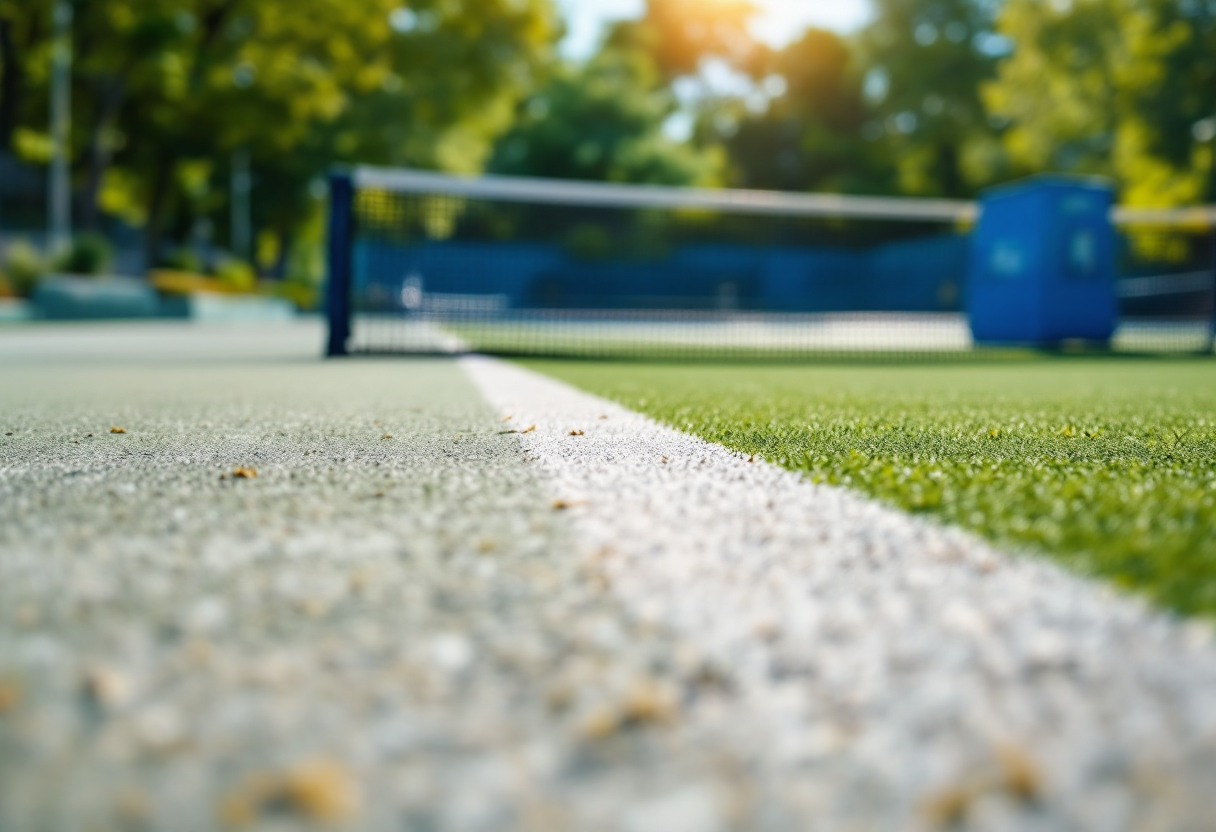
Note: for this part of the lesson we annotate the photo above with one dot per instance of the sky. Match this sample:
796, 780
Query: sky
779, 22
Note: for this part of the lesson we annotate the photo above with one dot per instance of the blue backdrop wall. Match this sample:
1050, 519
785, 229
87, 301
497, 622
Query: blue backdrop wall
921, 275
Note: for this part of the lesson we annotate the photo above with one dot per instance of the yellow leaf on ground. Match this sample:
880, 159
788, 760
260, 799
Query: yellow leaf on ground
318, 790
1022, 776
10, 695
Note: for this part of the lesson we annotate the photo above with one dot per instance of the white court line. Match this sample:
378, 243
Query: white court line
892, 660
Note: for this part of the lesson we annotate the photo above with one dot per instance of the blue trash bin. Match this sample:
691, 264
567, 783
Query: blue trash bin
1042, 267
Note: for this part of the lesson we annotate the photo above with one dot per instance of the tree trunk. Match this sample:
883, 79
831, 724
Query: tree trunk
12, 83
279, 272
158, 208
948, 172
99, 152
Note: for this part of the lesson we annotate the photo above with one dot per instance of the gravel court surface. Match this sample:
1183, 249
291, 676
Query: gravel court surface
388, 628
886, 673
408, 633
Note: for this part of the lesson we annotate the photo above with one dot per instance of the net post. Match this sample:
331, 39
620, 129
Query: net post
340, 261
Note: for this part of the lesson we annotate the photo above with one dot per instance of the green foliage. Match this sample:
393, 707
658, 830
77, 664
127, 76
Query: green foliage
1116, 87
896, 108
33, 146
304, 269
306, 263
926, 99
89, 254
236, 275
602, 121
925, 61
1108, 465
589, 241
24, 266
810, 136
305, 296
183, 259
170, 89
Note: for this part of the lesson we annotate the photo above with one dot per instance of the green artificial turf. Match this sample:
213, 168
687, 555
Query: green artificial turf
1107, 464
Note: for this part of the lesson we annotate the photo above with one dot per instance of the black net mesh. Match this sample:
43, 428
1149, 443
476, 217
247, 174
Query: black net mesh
1166, 287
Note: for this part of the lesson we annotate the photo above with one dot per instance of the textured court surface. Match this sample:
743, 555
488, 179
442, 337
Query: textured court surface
901, 667
382, 633
395, 626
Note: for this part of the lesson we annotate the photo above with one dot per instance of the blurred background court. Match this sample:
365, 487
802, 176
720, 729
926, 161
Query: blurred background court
172, 159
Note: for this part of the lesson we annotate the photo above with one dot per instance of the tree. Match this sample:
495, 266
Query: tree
927, 60
24, 30
452, 75
1125, 88
602, 121
196, 79
809, 137
166, 90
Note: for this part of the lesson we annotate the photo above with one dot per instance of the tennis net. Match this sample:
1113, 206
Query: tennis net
430, 263
1166, 286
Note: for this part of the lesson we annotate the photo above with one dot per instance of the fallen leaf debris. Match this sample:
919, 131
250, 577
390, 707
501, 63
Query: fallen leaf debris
320, 791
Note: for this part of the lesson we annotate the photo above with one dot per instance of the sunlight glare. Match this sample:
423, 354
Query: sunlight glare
780, 21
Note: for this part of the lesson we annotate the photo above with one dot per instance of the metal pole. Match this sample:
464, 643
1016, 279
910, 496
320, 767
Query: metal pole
60, 186
241, 232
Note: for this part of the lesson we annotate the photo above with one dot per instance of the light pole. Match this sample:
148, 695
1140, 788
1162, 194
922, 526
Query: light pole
59, 202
